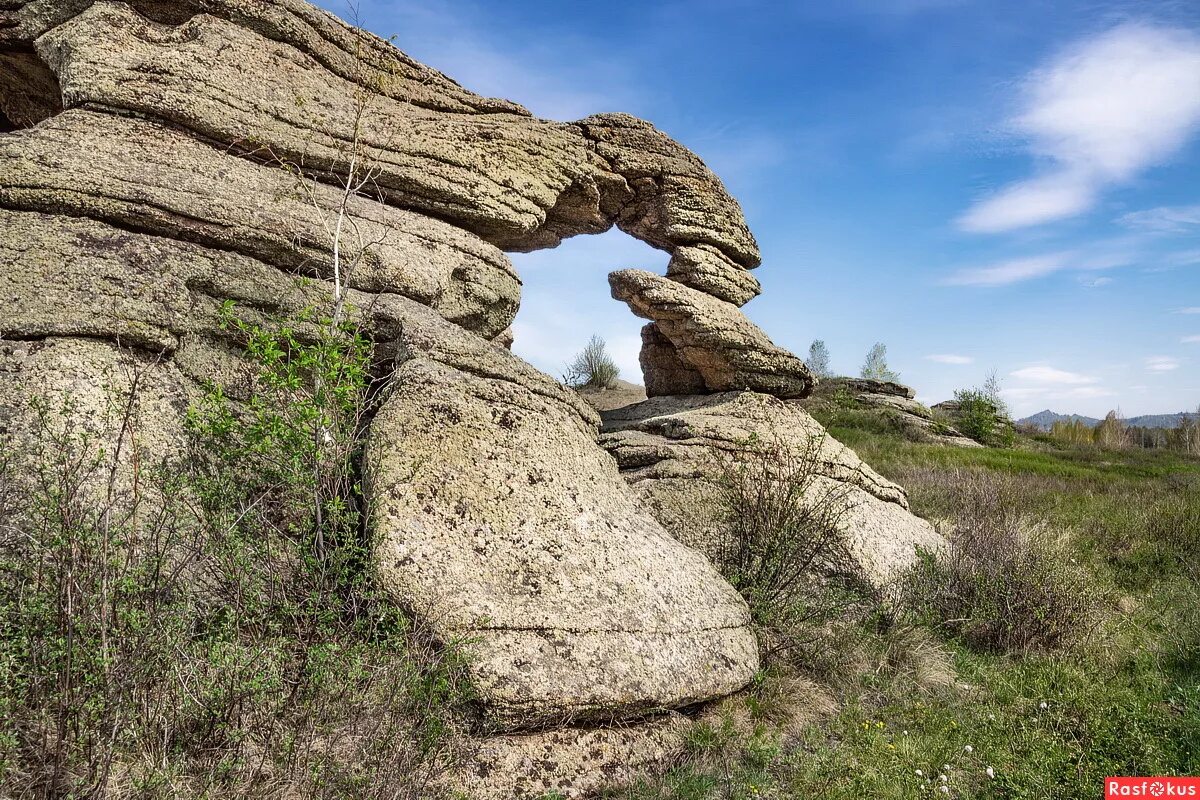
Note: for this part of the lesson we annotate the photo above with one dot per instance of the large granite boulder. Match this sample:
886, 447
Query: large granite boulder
675, 452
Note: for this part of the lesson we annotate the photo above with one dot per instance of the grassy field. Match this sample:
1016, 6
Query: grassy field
919, 712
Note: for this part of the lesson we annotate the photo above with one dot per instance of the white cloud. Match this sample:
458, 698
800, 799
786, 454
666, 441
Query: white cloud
1165, 219
1161, 363
1192, 310
1084, 392
1097, 283
949, 358
1099, 256
1006, 272
1190, 339
1041, 373
1099, 113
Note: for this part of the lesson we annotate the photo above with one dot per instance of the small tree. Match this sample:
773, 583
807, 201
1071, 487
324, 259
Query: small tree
992, 389
818, 359
593, 367
1112, 431
876, 367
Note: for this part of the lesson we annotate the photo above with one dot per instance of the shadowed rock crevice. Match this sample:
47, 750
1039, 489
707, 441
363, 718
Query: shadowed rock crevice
29, 90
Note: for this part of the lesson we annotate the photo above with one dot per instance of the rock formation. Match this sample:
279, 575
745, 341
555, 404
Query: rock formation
673, 451
158, 159
895, 400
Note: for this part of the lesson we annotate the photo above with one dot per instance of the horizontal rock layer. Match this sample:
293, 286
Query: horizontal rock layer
711, 338
144, 176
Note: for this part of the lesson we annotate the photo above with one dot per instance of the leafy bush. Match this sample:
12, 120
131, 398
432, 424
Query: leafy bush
980, 418
212, 625
1004, 583
593, 367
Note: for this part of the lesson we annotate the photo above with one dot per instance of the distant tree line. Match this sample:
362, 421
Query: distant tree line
1115, 434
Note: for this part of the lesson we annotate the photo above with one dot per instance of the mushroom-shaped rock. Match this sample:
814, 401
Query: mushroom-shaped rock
711, 337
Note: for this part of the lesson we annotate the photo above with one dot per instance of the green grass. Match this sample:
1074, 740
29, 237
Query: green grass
1126, 703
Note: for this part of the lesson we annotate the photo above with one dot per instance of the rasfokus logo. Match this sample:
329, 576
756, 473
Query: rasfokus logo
1151, 787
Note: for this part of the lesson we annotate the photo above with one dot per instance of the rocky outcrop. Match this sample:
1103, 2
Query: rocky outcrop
892, 399
571, 763
706, 269
675, 451
150, 175
710, 338
547, 568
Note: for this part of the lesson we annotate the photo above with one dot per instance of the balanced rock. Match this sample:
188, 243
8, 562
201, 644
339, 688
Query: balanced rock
706, 269
711, 338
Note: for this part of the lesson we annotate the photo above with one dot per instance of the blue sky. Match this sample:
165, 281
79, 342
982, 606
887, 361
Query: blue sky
980, 185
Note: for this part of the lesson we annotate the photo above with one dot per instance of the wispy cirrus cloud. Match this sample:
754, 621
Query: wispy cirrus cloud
1104, 255
1161, 363
1164, 219
1046, 374
1191, 310
1190, 339
1099, 113
949, 358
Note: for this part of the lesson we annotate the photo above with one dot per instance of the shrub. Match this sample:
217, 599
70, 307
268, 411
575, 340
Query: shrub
213, 625
980, 418
1004, 583
781, 544
592, 368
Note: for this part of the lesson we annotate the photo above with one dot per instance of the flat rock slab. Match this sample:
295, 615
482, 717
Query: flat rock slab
674, 451
148, 177
572, 763
500, 521
712, 338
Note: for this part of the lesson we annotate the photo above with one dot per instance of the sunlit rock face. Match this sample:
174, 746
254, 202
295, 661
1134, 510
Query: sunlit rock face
159, 159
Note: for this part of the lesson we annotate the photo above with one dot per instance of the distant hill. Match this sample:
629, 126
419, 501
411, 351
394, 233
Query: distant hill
1043, 420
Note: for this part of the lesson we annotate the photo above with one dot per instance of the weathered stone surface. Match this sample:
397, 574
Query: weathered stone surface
893, 399
711, 337
676, 199
519, 182
671, 450
501, 522
147, 177
663, 370
496, 174
707, 269
574, 763
348, 52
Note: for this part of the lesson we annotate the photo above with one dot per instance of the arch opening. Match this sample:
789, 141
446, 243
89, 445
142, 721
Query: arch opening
566, 300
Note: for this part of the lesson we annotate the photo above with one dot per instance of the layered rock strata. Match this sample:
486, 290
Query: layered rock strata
159, 160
